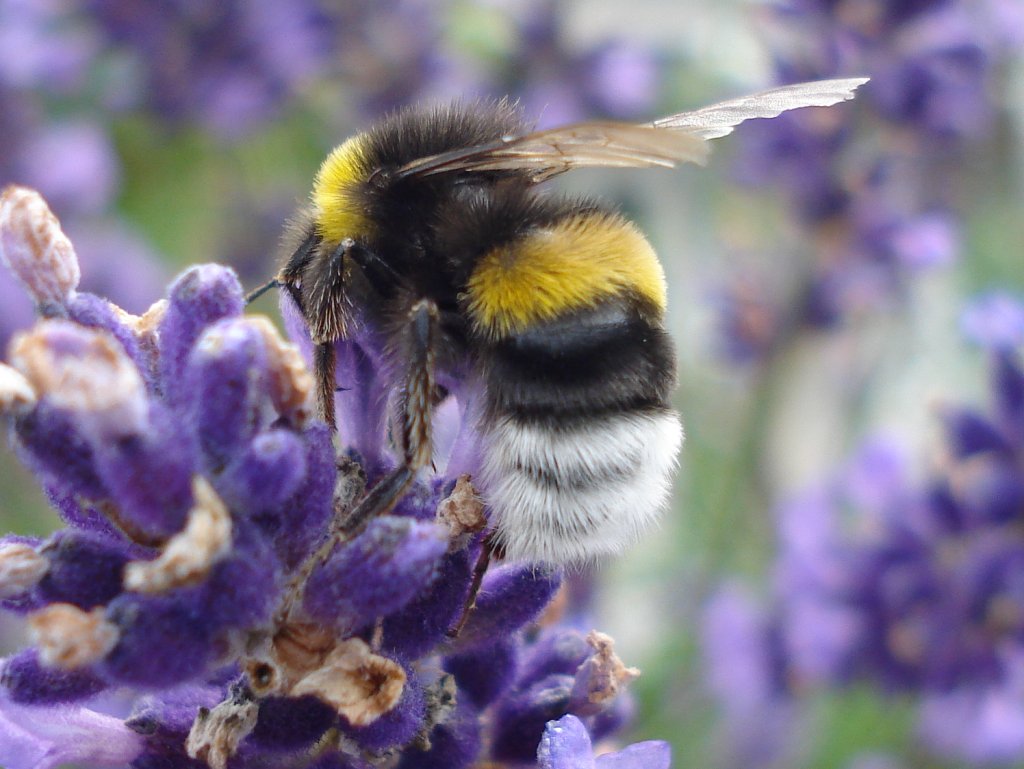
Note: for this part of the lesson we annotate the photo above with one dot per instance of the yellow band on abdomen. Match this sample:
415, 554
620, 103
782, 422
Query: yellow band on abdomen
570, 265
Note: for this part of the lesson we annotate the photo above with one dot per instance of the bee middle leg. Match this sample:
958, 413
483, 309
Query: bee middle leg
413, 425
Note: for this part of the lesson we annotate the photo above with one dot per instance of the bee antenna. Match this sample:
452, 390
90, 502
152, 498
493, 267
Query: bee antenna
252, 296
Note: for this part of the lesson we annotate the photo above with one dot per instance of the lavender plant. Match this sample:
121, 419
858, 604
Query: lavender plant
202, 606
913, 586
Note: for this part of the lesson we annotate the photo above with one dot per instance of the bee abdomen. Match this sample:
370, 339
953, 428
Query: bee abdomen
580, 440
572, 491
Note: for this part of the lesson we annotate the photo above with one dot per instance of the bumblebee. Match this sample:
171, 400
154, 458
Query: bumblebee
432, 260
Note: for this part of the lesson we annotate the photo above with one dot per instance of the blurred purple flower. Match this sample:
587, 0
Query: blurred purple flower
746, 673
205, 564
229, 66
994, 321
917, 587
870, 208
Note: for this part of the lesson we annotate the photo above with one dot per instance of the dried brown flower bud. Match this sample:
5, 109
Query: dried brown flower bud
83, 370
16, 394
188, 555
462, 511
361, 685
21, 567
292, 383
215, 734
600, 678
68, 637
35, 248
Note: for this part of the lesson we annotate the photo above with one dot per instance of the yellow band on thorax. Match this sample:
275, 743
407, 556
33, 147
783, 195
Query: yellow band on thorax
573, 264
339, 213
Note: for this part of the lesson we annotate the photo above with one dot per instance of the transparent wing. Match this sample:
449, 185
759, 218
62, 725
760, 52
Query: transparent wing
556, 150
720, 119
680, 138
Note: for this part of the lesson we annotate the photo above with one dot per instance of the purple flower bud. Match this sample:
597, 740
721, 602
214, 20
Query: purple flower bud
85, 372
263, 475
301, 520
149, 475
53, 447
27, 681
375, 574
291, 723
84, 570
510, 597
226, 388
164, 721
163, 641
197, 298
455, 744
558, 650
424, 623
600, 679
242, 588
35, 249
485, 673
521, 717
614, 718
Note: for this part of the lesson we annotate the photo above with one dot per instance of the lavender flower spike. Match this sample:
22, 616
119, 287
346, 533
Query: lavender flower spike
206, 574
566, 745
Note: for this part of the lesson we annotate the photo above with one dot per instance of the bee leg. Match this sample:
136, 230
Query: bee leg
416, 406
324, 357
479, 570
381, 275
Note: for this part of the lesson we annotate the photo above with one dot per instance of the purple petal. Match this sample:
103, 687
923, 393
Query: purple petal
653, 754
566, 745
43, 737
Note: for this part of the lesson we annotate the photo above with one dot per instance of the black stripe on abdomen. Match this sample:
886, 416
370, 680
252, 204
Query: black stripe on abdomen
591, 361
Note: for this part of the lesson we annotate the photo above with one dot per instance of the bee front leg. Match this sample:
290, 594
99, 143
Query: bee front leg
413, 425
